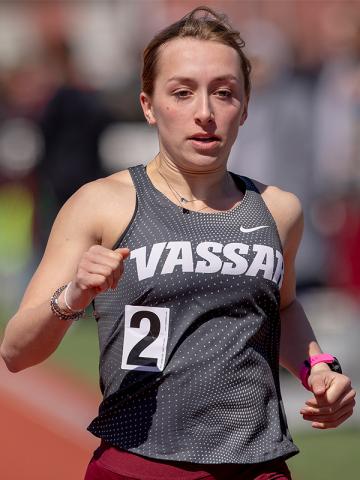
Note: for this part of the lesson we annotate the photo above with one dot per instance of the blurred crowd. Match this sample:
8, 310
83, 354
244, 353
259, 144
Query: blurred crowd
69, 113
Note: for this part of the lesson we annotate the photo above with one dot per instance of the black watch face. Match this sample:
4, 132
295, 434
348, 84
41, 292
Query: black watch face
335, 366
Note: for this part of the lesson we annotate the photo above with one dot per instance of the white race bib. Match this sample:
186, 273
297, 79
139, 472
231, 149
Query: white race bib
145, 338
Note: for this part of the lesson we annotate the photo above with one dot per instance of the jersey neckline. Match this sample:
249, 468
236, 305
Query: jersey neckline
239, 181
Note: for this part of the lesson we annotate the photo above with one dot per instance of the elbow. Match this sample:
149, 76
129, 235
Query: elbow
13, 368
10, 361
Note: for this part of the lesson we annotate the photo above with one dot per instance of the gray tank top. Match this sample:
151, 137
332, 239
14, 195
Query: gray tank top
189, 340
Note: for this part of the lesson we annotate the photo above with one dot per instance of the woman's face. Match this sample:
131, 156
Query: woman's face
198, 102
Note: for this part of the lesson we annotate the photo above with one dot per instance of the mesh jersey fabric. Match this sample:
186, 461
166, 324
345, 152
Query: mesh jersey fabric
189, 339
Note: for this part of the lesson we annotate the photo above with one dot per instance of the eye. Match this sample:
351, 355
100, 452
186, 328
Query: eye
223, 93
181, 94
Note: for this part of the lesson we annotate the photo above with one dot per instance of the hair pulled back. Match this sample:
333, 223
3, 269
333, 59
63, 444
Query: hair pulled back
209, 25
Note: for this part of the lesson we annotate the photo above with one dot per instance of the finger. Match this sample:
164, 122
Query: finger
115, 260
334, 424
106, 263
338, 386
124, 252
117, 274
121, 255
91, 272
348, 399
318, 386
345, 395
331, 415
108, 257
97, 251
102, 269
95, 282
115, 263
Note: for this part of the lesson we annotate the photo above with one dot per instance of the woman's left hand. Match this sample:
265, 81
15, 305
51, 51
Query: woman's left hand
333, 401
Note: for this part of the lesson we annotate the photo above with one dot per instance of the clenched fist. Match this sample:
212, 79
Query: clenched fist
99, 269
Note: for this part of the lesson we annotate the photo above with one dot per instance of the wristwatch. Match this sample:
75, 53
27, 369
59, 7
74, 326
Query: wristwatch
305, 369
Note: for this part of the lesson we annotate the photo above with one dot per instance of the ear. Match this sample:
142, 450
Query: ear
244, 114
146, 104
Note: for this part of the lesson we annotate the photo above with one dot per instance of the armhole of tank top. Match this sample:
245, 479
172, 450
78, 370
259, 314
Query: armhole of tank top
249, 181
131, 222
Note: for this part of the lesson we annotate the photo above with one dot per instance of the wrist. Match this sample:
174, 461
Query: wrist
317, 363
77, 298
60, 306
74, 299
319, 367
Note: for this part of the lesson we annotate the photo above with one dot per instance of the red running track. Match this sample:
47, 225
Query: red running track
43, 416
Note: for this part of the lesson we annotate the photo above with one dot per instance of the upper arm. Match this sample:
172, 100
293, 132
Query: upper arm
288, 215
293, 229
76, 228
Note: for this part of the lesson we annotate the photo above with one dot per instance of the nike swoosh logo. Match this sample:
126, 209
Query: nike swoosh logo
253, 229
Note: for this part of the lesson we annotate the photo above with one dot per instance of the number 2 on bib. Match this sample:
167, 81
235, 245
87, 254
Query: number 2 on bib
146, 333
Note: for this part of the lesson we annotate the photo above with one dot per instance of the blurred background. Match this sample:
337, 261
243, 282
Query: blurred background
69, 113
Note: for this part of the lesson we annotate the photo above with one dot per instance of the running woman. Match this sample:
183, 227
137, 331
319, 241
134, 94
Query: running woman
191, 271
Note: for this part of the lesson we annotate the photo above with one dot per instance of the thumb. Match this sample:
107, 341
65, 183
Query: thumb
317, 384
124, 252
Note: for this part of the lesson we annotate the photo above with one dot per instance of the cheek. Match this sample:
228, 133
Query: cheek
168, 117
232, 125
231, 119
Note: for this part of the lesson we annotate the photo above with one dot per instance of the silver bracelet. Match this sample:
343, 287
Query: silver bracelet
58, 311
67, 303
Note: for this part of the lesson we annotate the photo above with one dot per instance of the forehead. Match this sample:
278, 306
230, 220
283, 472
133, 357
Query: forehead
193, 58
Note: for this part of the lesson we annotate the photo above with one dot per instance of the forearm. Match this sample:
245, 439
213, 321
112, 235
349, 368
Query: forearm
298, 340
31, 336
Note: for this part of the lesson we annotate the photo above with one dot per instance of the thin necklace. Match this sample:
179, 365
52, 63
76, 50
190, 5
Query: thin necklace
181, 200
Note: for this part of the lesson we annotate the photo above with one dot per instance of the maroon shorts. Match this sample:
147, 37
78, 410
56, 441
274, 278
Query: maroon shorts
112, 464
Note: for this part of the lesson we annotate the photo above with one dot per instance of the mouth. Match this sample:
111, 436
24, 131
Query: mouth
205, 138
205, 142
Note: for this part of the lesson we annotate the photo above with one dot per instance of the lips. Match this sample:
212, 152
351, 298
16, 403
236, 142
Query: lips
204, 137
205, 144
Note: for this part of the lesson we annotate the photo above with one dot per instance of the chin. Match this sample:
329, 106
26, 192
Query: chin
202, 162
196, 160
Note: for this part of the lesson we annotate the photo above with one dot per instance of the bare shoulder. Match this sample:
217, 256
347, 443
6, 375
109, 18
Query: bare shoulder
97, 213
286, 209
103, 207
104, 189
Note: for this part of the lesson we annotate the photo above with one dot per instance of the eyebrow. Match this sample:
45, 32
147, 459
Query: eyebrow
221, 78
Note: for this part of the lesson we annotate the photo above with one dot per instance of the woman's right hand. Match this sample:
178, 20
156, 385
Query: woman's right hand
98, 270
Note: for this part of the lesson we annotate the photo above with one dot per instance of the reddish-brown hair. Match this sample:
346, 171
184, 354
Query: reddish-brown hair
208, 26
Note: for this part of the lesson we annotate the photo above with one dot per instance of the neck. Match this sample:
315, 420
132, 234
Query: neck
191, 185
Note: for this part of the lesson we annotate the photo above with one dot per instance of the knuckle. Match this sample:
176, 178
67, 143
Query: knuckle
90, 253
347, 381
108, 270
86, 257
115, 255
81, 277
115, 267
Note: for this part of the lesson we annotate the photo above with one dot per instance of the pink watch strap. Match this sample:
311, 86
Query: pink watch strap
308, 364
321, 357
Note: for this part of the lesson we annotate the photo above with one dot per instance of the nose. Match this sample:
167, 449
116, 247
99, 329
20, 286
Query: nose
204, 113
